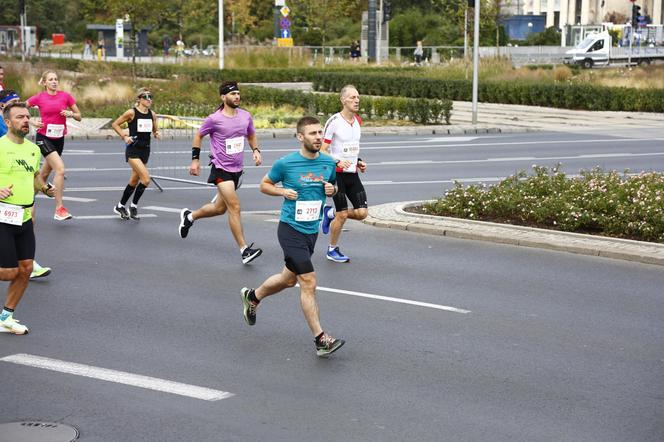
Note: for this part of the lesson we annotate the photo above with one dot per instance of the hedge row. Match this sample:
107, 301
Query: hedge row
425, 111
169, 71
567, 96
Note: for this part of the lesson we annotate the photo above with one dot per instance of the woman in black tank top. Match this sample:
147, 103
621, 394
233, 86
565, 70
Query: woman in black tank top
142, 124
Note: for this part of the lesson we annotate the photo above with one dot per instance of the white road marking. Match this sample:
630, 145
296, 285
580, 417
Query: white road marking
390, 299
142, 215
119, 377
69, 198
79, 151
427, 140
163, 209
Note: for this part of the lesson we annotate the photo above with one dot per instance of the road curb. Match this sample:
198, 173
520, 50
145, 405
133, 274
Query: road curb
394, 216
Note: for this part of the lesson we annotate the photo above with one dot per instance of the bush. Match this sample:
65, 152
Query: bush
569, 96
598, 202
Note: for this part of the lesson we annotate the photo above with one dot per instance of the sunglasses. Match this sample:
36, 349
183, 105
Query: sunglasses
145, 96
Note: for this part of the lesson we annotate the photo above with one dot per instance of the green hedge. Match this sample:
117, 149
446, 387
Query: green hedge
425, 111
567, 96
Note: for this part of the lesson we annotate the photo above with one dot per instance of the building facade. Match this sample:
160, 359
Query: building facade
560, 13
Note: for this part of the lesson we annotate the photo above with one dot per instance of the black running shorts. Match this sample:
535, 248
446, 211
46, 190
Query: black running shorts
220, 175
18, 244
49, 145
140, 152
351, 188
298, 248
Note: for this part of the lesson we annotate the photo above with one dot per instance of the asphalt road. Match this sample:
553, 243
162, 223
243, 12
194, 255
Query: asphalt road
506, 343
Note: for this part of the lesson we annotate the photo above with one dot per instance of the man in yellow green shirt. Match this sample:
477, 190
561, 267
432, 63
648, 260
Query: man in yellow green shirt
19, 178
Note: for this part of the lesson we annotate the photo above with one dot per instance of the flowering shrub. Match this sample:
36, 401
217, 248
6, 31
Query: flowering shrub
596, 201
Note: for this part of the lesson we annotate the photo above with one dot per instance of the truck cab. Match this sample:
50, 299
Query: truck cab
594, 50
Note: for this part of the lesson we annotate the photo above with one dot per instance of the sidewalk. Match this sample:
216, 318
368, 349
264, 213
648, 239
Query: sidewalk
393, 216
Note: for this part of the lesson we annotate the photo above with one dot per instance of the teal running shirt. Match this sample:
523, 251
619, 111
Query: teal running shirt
307, 177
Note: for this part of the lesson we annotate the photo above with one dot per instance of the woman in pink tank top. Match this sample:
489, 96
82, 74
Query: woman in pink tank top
55, 106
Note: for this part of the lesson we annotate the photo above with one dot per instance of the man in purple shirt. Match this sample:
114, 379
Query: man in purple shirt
228, 128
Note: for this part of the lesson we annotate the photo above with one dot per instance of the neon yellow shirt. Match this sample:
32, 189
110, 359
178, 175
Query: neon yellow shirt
18, 165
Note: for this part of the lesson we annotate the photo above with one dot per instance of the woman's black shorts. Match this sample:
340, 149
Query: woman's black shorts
49, 145
138, 151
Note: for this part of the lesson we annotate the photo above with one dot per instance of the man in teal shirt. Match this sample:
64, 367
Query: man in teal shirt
307, 177
19, 177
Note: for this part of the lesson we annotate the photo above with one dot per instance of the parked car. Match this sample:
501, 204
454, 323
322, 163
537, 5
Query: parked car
210, 51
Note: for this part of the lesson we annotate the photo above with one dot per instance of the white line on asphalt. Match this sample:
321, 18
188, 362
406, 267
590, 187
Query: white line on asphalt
79, 151
69, 198
390, 299
428, 140
142, 215
163, 209
178, 210
119, 377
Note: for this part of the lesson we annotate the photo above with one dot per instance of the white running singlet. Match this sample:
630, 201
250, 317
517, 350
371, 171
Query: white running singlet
344, 139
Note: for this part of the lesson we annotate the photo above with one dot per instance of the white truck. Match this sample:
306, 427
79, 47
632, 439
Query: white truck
596, 50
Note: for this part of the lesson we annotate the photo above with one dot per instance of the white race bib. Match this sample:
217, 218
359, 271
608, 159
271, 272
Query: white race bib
144, 125
234, 145
55, 130
10, 214
307, 210
350, 152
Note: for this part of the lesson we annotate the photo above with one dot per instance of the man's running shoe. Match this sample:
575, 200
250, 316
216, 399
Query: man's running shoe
39, 271
325, 224
250, 254
336, 255
185, 224
12, 326
249, 307
61, 214
122, 211
133, 213
326, 345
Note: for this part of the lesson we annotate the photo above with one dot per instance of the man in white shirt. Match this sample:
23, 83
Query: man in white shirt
341, 140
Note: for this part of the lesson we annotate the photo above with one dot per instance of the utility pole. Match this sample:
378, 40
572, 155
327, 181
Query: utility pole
371, 31
476, 59
221, 34
21, 11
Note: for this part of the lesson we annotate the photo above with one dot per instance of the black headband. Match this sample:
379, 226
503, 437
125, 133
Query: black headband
229, 88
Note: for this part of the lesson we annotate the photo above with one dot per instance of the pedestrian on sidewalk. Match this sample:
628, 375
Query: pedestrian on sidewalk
307, 177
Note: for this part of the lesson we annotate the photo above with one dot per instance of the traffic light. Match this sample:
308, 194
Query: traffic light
387, 10
21, 7
471, 3
636, 11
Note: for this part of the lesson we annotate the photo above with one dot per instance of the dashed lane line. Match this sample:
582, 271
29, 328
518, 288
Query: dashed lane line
119, 377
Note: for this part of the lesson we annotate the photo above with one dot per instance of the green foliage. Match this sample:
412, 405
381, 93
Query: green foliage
567, 96
605, 203
550, 37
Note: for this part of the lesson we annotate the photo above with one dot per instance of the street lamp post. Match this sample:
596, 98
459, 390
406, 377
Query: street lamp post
221, 34
476, 58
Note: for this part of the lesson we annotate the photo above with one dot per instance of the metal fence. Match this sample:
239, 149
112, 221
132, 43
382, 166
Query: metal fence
172, 164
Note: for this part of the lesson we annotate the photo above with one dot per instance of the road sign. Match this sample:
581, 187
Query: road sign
284, 42
285, 23
285, 11
285, 33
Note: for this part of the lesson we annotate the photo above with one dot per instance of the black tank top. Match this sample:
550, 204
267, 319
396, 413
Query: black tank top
141, 127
